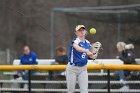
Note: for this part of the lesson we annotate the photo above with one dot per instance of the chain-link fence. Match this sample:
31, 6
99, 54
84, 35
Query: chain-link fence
7, 56
113, 24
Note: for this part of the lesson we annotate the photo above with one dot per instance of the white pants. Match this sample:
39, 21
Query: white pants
72, 74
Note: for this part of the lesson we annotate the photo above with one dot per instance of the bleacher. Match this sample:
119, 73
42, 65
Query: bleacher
97, 79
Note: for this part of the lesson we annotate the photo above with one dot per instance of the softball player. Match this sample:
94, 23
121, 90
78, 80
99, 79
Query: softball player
77, 57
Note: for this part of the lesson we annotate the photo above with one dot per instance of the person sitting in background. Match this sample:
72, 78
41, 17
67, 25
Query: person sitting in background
121, 50
128, 58
28, 58
61, 59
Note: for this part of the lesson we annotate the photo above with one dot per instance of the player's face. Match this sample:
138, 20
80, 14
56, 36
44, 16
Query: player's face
59, 53
26, 50
81, 32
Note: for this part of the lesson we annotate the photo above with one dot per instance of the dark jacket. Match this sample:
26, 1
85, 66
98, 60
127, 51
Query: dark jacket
62, 59
128, 57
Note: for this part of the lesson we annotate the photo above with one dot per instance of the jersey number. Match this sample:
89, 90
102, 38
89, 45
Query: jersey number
84, 55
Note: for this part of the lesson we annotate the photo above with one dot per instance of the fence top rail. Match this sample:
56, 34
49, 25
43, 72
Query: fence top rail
63, 67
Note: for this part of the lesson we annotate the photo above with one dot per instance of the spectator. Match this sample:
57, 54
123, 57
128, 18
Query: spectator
128, 58
121, 51
28, 58
61, 58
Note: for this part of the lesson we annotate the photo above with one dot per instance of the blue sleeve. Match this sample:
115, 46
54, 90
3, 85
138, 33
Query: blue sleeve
23, 61
34, 58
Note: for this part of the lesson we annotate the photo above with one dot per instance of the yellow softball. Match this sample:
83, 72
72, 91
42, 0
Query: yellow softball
92, 31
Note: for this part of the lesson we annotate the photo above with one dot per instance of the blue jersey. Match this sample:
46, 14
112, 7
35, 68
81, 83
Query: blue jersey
78, 58
28, 59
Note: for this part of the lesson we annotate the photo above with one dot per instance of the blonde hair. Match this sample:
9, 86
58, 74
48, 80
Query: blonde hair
121, 46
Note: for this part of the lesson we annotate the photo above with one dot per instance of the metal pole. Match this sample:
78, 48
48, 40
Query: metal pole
29, 81
119, 28
108, 80
8, 55
52, 34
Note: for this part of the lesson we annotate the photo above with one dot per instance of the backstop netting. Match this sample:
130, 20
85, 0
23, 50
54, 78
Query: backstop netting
113, 24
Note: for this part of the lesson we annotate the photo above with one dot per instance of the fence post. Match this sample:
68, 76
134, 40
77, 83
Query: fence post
108, 80
29, 81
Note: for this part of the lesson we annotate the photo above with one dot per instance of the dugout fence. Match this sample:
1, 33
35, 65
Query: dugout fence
106, 81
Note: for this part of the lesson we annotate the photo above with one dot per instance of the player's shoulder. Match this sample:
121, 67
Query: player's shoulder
76, 40
32, 53
87, 41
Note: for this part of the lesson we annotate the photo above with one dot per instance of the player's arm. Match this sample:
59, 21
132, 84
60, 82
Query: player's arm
80, 49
